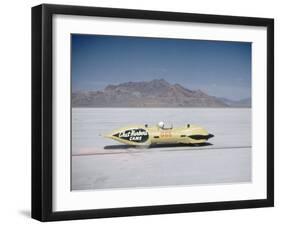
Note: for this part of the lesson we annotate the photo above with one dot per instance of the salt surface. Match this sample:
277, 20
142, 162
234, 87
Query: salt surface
101, 163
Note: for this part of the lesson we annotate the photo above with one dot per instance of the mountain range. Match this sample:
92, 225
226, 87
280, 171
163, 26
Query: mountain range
154, 93
246, 102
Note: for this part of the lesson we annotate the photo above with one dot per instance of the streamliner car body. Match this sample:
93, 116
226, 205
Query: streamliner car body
144, 135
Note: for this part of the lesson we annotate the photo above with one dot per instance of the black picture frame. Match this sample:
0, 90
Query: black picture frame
42, 111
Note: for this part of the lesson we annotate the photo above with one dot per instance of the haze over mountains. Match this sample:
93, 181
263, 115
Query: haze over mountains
246, 102
154, 93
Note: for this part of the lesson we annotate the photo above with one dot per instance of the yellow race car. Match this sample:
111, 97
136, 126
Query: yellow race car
144, 135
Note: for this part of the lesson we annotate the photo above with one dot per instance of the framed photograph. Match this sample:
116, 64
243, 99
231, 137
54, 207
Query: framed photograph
145, 112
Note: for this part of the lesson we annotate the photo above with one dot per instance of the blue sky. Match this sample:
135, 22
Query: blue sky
218, 68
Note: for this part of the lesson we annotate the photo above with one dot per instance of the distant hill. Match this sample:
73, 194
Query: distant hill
155, 93
243, 103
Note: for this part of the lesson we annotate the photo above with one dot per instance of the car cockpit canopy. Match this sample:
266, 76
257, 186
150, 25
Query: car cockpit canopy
162, 125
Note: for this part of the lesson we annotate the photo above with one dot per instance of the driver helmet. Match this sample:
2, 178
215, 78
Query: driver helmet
161, 125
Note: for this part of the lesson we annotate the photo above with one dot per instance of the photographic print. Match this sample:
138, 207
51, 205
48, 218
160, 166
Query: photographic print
139, 112
158, 112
